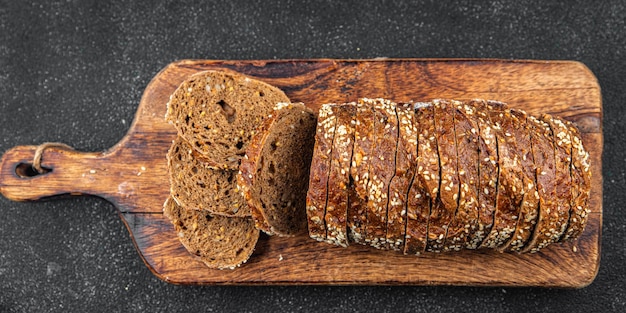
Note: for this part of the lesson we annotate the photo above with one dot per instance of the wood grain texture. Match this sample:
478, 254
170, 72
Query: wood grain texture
133, 173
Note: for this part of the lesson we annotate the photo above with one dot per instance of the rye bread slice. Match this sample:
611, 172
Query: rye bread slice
543, 154
581, 185
529, 209
562, 157
339, 178
274, 173
465, 223
382, 170
359, 172
217, 113
197, 186
424, 181
406, 161
317, 193
488, 172
218, 241
510, 182
448, 189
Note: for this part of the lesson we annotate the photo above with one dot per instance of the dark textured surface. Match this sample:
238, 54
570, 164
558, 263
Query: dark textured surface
74, 71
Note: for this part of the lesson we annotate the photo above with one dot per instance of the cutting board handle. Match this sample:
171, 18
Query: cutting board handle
62, 170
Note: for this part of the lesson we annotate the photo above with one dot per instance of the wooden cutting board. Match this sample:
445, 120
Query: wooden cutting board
133, 174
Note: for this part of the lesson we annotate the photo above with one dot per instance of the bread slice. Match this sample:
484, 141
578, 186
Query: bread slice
543, 154
359, 172
274, 175
510, 182
383, 168
448, 189
562, 155
218, 112
529, 209
219, 242
406, 161
422, 191
464, 225
581, 185
317, 193
339, 177
196, 186
488, 172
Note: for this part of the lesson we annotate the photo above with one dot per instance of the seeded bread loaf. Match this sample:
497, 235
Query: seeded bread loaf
339, 176
196, 186
217, 113
218, 241
278, 159
468, 175
317, 193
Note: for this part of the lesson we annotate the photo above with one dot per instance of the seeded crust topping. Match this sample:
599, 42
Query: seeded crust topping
450, 175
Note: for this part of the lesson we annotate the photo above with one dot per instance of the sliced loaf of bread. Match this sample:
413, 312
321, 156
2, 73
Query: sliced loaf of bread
218, 112
197, 186
274, 174
219, 242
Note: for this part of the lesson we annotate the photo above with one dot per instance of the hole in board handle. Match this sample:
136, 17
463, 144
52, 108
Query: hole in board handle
26, 170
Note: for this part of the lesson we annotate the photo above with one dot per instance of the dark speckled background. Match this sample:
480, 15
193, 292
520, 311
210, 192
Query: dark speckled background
74, 71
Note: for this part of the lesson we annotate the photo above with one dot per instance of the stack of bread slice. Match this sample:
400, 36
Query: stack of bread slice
216, 115
445, 176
